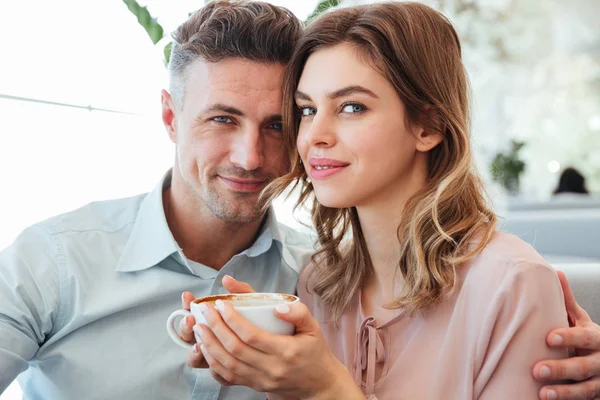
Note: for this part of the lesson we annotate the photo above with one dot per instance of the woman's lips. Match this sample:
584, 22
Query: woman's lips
322, 168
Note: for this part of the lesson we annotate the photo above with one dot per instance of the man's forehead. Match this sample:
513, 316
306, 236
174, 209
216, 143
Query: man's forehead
236, 74
248, 86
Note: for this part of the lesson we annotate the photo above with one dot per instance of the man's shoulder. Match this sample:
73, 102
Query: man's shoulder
106, 215
78, 229
298, 246
294, 236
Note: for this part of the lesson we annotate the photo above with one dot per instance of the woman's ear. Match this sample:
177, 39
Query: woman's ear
428, 134
427, 140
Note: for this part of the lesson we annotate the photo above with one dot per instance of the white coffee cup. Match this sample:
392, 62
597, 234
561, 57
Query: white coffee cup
257, 308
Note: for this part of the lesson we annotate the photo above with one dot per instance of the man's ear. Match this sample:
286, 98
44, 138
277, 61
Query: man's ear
168, 114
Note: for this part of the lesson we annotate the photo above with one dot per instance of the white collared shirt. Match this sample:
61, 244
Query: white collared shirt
84, 298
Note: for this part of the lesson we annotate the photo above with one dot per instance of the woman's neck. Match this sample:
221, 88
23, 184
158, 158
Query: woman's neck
380, 221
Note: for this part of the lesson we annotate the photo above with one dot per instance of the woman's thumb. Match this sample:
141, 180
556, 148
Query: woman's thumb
298, 315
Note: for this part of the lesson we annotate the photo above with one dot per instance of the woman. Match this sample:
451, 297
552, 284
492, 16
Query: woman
415, 294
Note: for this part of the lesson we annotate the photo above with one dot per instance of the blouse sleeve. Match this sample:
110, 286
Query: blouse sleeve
304, 289
528, 304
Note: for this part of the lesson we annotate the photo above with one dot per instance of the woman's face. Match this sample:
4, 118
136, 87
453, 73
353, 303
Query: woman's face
353, 138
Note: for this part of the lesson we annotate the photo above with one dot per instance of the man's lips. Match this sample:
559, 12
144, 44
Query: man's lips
244, 185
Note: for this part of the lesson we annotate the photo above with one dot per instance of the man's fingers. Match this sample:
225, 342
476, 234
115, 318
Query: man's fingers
186, 299
234, 286
574, 310
580, 337
575, 368
195, 358
186, 329
587, 390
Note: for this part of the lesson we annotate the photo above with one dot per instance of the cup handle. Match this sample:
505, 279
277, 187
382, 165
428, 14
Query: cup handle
173, 332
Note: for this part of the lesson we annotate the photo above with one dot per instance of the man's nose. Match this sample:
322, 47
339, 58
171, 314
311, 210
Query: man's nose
248, 152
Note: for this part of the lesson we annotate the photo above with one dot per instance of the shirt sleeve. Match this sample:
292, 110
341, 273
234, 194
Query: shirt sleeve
529, 303
29, 298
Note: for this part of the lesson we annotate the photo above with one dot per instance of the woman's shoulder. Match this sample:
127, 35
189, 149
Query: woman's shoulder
508, 281
506, 259
507, 253
305, 288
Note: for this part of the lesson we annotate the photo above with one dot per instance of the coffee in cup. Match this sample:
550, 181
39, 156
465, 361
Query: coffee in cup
257, 308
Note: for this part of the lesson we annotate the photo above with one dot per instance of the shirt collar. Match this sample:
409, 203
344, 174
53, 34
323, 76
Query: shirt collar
268, 232
151, 240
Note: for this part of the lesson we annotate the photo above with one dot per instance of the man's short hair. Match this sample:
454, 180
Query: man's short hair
252, 30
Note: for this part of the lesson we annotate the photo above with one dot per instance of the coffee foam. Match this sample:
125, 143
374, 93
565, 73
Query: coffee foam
253, 300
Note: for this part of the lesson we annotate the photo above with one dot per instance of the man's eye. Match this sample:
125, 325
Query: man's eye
223, 120
278, 126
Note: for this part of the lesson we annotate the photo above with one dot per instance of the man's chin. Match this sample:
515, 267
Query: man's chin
240, 217
240, 207
243, 213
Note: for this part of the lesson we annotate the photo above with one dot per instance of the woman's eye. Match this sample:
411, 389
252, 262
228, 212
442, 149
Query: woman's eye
307, 111
223, 120
353, 108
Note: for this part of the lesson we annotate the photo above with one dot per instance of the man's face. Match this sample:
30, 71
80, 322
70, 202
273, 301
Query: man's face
228, 136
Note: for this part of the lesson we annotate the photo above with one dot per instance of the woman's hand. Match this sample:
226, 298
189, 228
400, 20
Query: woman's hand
186, 325
302, 365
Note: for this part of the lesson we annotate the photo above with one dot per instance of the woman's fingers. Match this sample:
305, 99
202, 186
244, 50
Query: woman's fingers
195, 358
235, 286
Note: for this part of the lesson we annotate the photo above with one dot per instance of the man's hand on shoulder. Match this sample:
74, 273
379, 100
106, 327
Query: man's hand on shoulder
583, 368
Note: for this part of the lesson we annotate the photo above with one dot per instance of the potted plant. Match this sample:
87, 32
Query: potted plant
506, 168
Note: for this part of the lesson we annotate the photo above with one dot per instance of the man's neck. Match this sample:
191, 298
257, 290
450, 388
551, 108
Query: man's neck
207, 239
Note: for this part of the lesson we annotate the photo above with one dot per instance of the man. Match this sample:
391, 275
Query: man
84, 296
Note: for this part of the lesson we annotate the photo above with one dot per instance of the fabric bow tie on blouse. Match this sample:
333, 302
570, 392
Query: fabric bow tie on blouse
369, 353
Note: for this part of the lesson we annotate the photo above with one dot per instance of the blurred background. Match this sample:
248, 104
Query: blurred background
80, 120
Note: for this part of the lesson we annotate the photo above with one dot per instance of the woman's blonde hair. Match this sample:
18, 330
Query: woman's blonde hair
442, 226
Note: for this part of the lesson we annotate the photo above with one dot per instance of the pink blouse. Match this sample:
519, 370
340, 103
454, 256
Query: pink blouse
480, 343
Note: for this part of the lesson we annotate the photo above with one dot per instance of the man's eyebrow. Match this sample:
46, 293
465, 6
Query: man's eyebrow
224, 108
273, 118
219, 107
340, 93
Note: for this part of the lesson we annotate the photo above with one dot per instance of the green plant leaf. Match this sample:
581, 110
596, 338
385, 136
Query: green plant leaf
506, 168
167, 52
323, 6
152, 27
